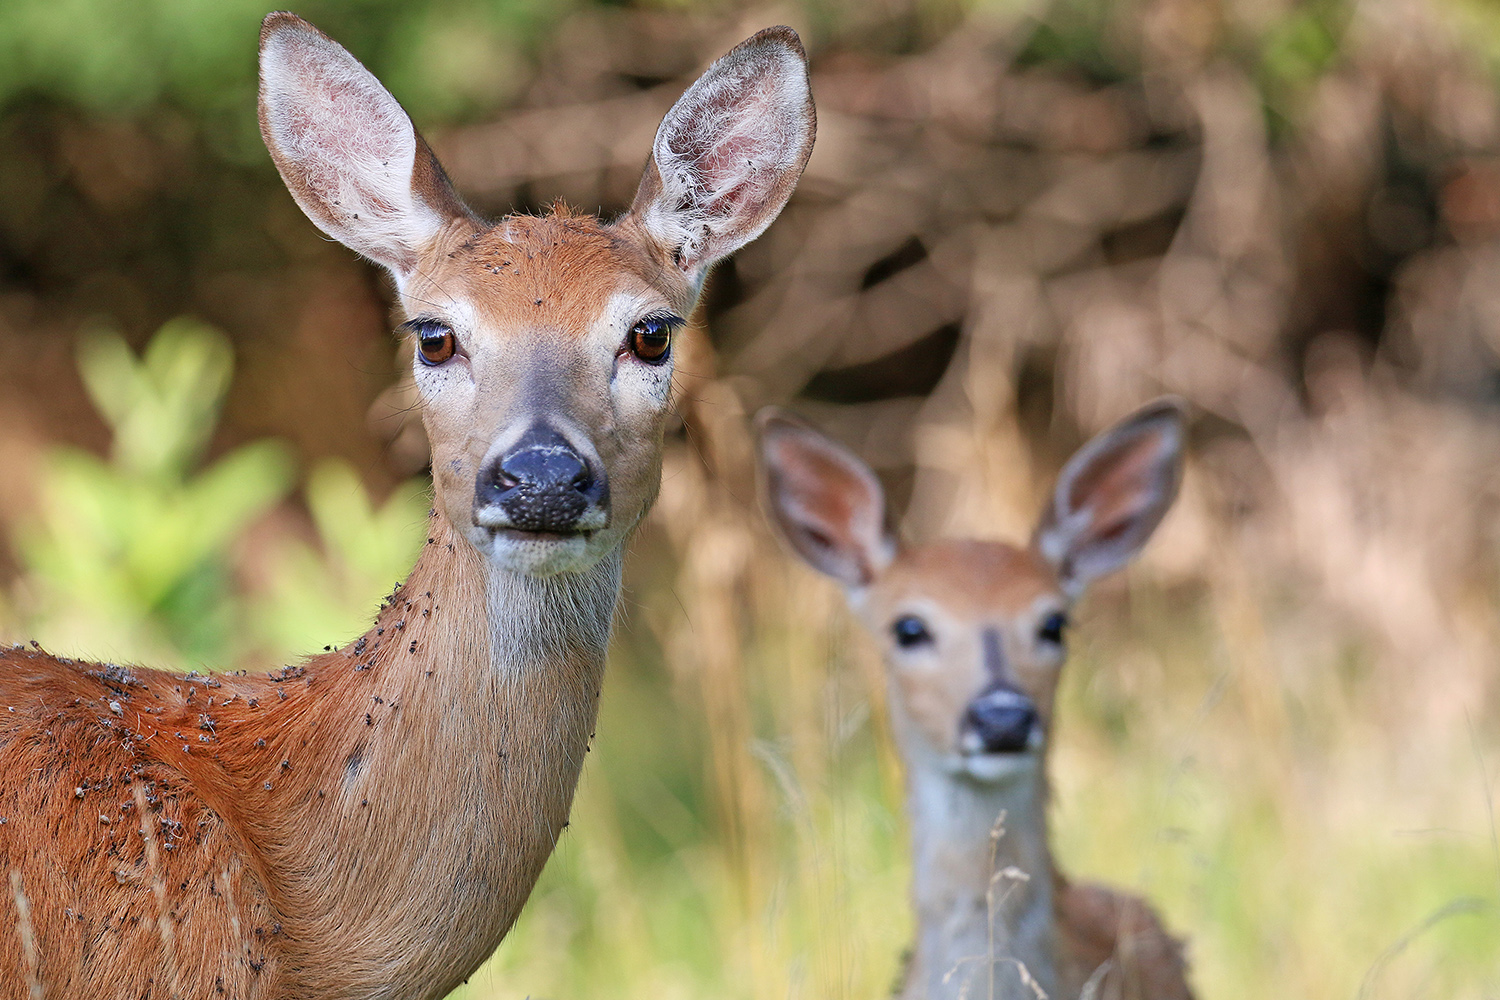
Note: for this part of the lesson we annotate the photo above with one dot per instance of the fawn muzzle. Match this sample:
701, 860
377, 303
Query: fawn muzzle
999, 720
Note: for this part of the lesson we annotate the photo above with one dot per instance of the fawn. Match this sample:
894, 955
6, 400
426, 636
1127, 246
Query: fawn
368, 823
973, 635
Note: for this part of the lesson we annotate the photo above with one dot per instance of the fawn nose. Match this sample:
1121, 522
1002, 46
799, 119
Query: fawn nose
542, 484
1000, 721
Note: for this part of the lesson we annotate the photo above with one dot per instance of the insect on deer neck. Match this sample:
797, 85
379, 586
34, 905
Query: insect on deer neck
368, 823
973, 634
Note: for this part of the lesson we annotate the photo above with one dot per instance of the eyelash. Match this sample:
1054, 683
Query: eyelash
666, 321
437, 335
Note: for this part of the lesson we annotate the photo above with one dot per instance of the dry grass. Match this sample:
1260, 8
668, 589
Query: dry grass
1282, 725
1307, 809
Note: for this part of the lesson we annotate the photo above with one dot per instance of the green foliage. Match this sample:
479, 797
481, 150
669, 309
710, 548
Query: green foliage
131, 558
315, 595
1479, 21
444, 59
1293, 53
1078, 36
128, 557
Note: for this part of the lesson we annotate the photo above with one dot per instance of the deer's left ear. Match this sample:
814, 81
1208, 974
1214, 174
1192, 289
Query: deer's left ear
728, 154
1113, 493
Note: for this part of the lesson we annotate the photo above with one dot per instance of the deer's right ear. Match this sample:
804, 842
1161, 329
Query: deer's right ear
827, 503
346, 150
728, 154
1113, 493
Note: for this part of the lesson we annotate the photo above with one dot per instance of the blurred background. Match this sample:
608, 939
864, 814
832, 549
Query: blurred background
1022, 219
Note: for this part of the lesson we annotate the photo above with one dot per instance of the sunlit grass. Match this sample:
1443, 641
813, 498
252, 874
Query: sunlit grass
1315, 816
1250, 786
1347, 861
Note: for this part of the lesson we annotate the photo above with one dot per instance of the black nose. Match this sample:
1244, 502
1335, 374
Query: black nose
1002, 720
541, 483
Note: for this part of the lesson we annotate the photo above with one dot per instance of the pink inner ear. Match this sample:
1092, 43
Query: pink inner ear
345, 148
730, 147
825, 505
336, 122
726, 201
1119, 483
820, 489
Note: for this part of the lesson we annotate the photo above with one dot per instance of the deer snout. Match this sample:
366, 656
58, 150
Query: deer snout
542, 483
1000, 720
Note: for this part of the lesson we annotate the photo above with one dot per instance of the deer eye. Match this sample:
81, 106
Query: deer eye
651, 338
435, 342
910, 631
1052, 627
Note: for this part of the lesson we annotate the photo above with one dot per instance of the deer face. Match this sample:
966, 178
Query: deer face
973, 632
972, 636
541, 346
541, 350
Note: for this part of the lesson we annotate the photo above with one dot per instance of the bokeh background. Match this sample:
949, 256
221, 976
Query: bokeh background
1022, 219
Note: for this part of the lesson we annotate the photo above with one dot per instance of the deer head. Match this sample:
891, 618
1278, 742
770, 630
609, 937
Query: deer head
541, 346
973, 632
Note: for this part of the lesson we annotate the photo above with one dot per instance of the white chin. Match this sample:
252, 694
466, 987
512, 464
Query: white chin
995, 768
543, 555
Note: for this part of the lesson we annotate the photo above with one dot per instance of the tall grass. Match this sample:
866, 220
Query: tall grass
1225, 744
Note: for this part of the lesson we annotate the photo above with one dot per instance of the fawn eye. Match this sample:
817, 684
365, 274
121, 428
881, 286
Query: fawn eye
651, 338
910, 631
435, 342
1052, 627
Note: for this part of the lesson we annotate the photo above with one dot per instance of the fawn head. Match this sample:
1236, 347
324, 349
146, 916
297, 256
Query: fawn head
973, 632
541, 346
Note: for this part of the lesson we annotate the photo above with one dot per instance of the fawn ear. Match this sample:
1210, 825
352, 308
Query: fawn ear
827, 503
728, 154
1112, 494
346, 150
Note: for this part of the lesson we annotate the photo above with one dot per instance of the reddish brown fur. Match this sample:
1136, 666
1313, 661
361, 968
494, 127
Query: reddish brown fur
572, 263
262, 896
247, 788
368, 823
1100, 928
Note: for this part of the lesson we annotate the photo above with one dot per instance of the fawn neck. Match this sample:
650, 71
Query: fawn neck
982, 884
432, 767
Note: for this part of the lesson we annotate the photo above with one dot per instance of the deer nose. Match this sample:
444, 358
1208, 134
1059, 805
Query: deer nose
541, 484
1000, 721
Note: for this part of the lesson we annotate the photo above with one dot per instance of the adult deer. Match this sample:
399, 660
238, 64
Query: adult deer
973, 639
369, 822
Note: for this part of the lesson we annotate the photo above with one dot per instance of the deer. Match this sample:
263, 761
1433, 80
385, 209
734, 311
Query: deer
369, 822
973, 636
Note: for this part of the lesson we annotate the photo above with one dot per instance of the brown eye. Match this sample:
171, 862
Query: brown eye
651, 339
435, 343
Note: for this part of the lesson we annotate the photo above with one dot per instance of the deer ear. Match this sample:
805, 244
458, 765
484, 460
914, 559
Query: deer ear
1112, 494
346, 150
827, 503
728, 154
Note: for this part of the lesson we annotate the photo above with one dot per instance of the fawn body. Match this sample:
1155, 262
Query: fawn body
368, 823
973, 636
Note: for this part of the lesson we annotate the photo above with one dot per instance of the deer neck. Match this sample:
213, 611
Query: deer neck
981, 883
432, 768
